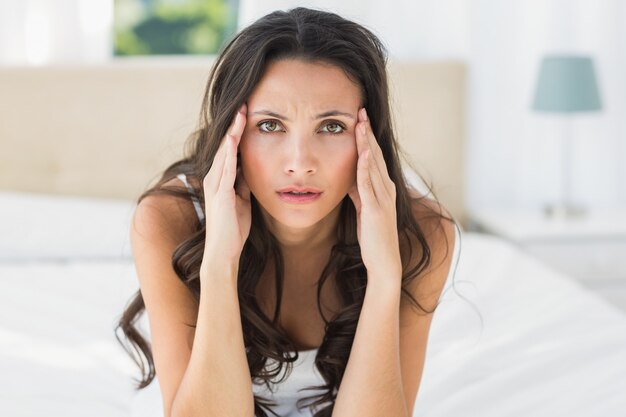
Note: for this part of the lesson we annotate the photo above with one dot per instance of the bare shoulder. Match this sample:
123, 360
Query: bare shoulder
434, 219
440, 234
161, 222
426, 289
167, 215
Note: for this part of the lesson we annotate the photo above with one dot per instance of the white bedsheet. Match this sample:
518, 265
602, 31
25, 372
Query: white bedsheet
546, 346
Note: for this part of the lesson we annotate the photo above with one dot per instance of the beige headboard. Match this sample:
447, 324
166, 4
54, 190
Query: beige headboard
109, 130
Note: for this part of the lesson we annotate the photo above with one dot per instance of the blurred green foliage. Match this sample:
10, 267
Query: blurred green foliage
164, 27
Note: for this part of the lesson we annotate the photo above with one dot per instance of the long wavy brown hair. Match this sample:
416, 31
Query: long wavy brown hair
313, 36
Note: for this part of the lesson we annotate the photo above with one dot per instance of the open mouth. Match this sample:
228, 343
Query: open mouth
295, 197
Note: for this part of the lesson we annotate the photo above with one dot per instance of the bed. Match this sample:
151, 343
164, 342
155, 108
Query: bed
79, 143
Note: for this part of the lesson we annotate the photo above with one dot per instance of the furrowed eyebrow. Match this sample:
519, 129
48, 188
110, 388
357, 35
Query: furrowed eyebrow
319, 116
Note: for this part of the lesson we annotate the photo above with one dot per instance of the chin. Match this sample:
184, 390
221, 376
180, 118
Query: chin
296, 219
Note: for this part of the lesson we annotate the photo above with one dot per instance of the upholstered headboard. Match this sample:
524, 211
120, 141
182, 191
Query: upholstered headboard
109, 130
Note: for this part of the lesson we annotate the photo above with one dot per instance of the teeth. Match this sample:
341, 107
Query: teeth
295, 192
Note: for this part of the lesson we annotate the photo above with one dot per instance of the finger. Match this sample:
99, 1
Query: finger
377, 159
233, 138
239, 124
234, 129
227, 182
361, 138
375, 180
379, 174
364, 180
232, 143
213, 178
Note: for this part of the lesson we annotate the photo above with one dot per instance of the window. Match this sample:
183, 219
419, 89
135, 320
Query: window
172, 27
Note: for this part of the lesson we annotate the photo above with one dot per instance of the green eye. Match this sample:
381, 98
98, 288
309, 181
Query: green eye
271, 126
270, 122
337, 130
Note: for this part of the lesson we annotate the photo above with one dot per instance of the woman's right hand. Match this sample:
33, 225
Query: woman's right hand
227, 208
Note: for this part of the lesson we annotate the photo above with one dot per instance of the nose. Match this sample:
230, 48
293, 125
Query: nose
300, 156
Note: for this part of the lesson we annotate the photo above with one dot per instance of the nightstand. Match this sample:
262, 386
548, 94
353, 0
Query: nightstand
591, 249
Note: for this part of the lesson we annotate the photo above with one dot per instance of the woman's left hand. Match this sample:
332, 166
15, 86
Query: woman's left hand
374, 197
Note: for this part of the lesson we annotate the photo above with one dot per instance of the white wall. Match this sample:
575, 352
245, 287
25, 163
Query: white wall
409, 28
516, 155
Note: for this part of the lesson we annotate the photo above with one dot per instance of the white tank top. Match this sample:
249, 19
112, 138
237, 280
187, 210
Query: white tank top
304, 373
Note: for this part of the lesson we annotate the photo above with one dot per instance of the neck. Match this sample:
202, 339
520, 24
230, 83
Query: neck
300, 243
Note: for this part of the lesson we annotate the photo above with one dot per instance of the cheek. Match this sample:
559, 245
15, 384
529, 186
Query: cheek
246, 153
249, 164
346, 165
253, 164
352, 157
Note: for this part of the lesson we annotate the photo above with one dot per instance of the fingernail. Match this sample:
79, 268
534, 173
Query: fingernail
364, 113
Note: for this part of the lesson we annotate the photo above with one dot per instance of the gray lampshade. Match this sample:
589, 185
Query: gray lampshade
566, 83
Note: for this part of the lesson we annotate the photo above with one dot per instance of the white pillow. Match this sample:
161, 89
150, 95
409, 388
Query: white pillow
37, 226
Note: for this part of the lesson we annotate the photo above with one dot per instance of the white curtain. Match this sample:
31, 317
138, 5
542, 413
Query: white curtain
43, 32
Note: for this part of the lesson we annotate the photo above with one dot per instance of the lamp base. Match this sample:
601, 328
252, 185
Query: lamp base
564, 211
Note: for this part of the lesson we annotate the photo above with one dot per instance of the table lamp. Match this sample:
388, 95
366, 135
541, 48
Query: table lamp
566, 84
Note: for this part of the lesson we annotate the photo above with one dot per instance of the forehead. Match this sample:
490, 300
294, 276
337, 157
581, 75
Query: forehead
299, 81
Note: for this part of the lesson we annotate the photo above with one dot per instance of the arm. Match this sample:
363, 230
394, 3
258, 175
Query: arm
372, 382
217, 381
158, 227
201, 370
386, 362
387, 357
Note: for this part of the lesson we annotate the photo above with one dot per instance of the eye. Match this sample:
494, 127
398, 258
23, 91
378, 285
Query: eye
271, 126
267, 122
336, 128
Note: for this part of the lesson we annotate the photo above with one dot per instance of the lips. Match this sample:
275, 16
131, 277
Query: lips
299, 198
299, 189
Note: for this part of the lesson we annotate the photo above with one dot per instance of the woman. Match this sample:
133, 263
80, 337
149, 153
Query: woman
289, 235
